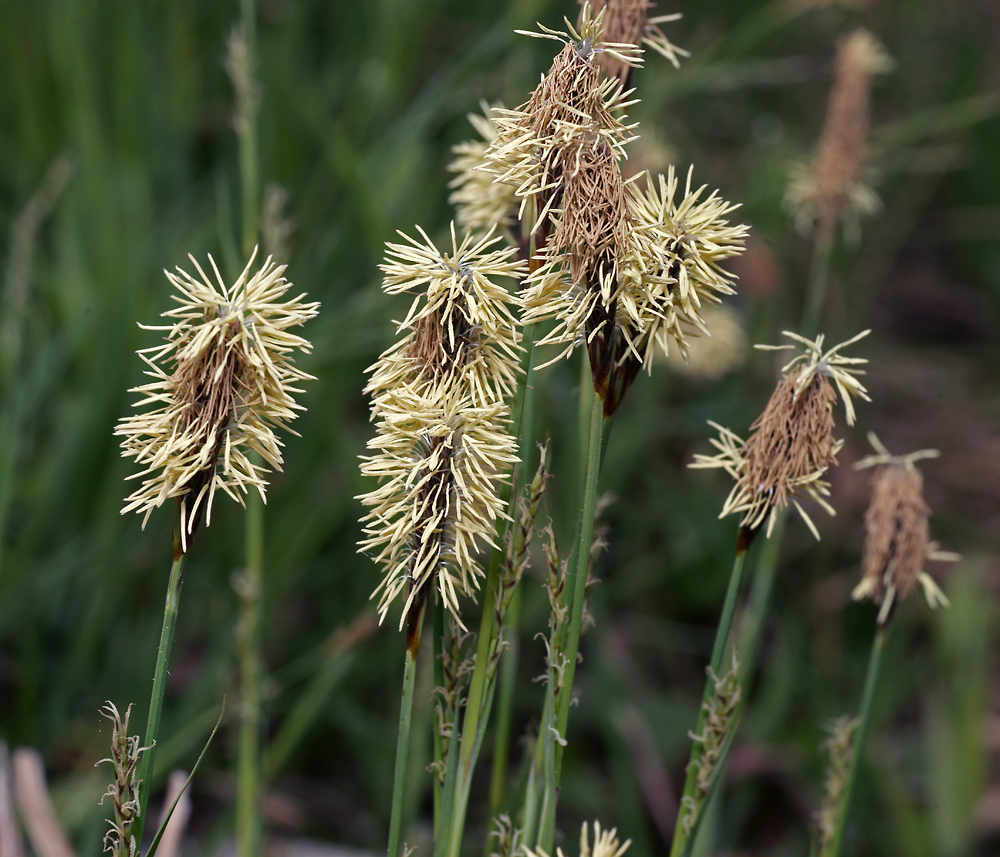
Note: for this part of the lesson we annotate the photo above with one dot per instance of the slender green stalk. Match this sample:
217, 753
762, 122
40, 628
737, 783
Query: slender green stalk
439, 680
413, 633
743, 541
160, 677
554, 735
505, 706
248, 770
864, 719
759, 600
819, 274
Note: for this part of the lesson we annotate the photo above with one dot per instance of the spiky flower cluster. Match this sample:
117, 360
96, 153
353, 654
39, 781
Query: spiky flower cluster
606, 844
897, 531
442, 442
124, 790
791, 444
620, 271
222, 382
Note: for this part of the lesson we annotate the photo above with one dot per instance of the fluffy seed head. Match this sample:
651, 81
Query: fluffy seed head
897, 530
222, 382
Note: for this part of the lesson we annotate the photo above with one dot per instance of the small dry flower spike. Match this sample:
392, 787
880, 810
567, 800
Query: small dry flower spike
897, 531
605, 844
459, 328
831, 187
438, 462
124, 790
791, 444
840, 745
222, 382
628, 22
481, 204
571, 99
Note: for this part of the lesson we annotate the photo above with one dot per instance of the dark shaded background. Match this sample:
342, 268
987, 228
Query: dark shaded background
360, 105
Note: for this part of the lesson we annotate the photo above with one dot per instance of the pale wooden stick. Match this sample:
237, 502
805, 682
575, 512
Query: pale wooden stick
44, 830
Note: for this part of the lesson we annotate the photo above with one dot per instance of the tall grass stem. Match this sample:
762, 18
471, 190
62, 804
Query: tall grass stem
160, 677
684, 824
864, 719
413, 634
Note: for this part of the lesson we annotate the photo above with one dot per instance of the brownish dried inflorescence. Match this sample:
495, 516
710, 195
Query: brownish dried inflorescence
793, 437
791, 445
897, 531
628, 22
831, 189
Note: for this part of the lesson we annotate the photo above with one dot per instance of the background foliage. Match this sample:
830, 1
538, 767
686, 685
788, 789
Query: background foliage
360, 104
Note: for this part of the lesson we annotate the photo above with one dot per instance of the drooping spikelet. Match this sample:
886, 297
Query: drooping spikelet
222, 382
831, 188
897, 530
124, 790
459, 328
438, 462
442, 443
606, 844
791, 444
628, 22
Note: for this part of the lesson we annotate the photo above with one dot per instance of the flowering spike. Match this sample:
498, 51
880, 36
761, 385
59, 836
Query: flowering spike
222, 381
791, 444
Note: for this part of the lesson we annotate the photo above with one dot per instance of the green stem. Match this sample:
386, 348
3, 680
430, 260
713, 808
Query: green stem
160, 679
819, 274
758, 602
248, 769
248, 766
438, 653
413, 633
505, 706
864, 719
743, 542
576, 593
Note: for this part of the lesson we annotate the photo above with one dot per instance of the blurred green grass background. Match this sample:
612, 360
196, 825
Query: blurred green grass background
360, 104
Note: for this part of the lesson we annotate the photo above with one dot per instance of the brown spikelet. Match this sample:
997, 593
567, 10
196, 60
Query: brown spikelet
625, 21
896, 531
792, 438
843, 145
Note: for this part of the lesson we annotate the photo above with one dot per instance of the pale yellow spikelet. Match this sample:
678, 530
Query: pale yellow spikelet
439, 462
897, 531
480, 202
605, 844
791, 445
459, 328
684, 242
712, 357
223, 381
